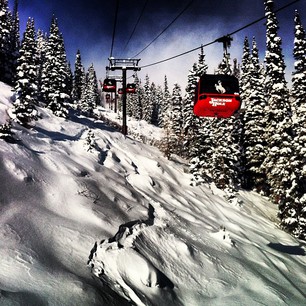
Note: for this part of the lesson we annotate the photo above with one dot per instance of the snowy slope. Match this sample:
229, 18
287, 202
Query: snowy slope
119, 224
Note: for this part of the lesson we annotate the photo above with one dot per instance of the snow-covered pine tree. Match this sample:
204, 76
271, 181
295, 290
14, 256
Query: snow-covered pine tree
225, 159
69, 84
156, 116
171, 143
90, 97
78, 77
14, 42
236, 69
191, 123
55, 75
253, 143
130, 105
5, 42
165, 102
244, 81
153, 103
299, 74
176, 110
202, 67
245, 90
41, 44
147, 101
278, 126
274, 59
292, 210
26, 78
156, 100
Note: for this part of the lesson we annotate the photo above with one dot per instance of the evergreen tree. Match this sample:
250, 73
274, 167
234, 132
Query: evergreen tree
201, 67
253, 143
156, 117
176, 111
147, 101
275, 65
26, 79
172, 123
78, 77
15, 40
168, 142
155, 104
164, 103
246, 74
236, 69
129, 105
14, 44
90, 97
299, 74
5, 42
225, 162
69, 84
41, 43
278, 129
292, 207
55, 73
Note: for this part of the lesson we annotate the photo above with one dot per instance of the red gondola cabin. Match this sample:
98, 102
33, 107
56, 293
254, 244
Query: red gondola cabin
217, 96
130, 88
109, 85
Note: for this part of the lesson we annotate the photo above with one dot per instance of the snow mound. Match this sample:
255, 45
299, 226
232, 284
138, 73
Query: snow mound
121, 266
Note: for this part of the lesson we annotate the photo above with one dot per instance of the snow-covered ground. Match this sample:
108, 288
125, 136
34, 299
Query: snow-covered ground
119, 224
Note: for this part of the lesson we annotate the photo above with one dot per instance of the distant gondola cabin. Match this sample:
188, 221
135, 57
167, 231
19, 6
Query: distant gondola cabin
217, 96
109, 85
130, 88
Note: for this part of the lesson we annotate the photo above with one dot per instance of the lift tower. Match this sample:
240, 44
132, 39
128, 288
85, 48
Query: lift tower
124, 65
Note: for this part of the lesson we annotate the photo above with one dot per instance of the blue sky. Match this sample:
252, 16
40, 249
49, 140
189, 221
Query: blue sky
88, 26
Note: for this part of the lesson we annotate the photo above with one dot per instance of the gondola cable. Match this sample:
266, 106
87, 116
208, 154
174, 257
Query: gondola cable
218, 39
114, 28
137, 22
166, 28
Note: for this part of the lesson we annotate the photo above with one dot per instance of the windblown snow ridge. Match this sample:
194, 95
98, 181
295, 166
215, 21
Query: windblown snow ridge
120, 265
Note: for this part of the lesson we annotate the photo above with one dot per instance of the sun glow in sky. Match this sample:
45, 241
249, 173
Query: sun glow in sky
88, 26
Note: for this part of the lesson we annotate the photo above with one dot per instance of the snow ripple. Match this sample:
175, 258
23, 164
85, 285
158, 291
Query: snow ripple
118, 263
